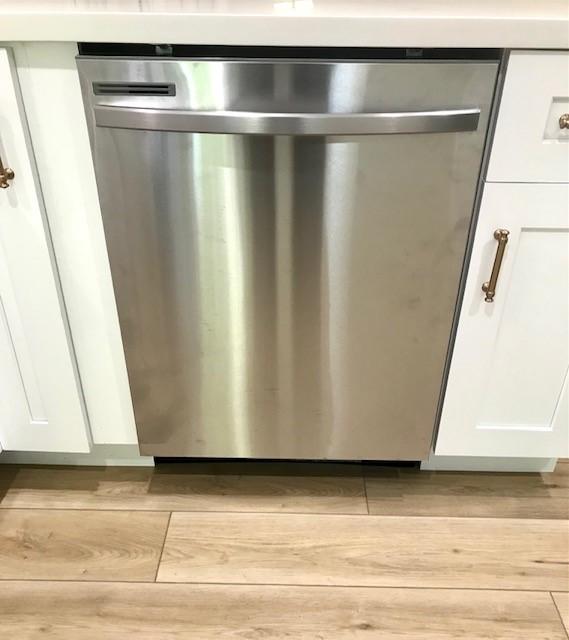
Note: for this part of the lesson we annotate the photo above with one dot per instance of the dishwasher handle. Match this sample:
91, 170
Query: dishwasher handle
292, 124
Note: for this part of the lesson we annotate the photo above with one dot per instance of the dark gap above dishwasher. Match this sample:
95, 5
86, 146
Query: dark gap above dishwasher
117, 49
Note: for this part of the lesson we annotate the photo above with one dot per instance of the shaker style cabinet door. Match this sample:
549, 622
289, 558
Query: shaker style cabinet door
41, 407
507, 389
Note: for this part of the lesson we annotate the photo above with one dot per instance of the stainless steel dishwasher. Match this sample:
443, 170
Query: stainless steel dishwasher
286, 237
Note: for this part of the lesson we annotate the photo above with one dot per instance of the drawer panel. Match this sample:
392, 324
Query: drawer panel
529, 143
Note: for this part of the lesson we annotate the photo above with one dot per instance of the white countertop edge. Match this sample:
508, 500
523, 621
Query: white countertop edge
499, 32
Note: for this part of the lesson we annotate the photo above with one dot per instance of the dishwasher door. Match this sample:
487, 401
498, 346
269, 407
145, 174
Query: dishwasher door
286, 240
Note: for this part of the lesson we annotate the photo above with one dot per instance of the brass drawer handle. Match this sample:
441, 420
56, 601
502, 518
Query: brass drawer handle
564, 121
6, 174
489, 287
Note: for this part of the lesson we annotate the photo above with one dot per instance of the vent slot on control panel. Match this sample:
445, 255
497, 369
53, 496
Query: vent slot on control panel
134, 88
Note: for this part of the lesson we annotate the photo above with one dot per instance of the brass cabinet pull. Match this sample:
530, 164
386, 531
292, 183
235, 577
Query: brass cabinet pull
6, 174
489, 287
564, 121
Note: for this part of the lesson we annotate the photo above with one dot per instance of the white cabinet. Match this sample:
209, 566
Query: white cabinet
507, 392
63, 157
41, 406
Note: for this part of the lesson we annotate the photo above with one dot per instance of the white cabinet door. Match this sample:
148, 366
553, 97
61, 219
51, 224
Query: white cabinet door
41, 407
507, 389
63, 156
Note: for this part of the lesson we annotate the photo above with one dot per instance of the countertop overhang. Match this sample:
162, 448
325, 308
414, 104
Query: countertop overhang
371, 23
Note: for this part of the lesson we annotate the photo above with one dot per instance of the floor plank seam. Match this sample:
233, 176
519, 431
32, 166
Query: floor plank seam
287, 585
158, 510
365, 494
559, 614
285, 513
163, 545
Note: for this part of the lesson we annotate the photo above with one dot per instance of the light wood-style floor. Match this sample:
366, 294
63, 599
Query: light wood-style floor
283, 551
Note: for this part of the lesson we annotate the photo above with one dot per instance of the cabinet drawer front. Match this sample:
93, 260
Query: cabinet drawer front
530, 145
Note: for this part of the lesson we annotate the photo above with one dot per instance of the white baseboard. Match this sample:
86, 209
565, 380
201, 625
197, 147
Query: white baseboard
473, 463
102, 455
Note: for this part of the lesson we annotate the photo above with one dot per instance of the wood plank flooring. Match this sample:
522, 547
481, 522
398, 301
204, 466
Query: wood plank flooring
80, 545
279, 551
101, 611
504, 495
351, 550
172, 490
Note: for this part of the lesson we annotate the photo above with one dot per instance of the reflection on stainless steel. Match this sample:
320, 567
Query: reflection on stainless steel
286, 296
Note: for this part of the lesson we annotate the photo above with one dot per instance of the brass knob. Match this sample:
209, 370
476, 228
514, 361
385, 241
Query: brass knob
564, 121
6, 174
